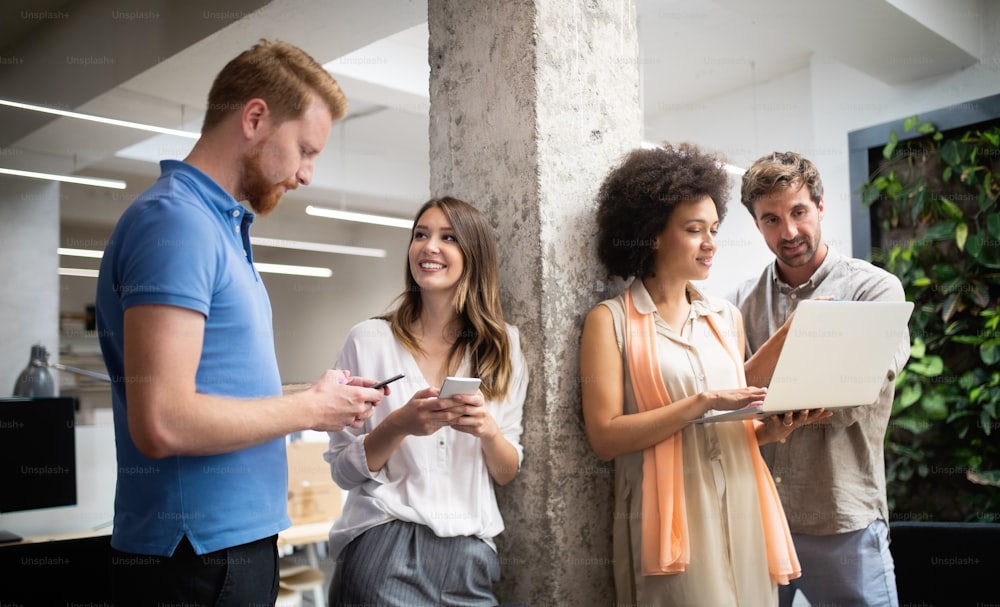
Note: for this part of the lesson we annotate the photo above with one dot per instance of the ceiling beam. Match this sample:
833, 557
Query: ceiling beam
70, 55
876, 37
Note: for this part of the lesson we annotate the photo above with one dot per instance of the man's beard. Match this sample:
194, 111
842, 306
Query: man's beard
262, 194
803, 258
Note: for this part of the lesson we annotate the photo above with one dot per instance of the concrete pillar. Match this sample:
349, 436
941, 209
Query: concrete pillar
531, 103
29, 237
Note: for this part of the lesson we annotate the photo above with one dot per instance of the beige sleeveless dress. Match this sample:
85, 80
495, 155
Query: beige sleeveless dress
728, 565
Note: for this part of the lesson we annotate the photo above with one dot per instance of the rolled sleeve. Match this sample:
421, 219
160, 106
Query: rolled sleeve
512, 409
348, 460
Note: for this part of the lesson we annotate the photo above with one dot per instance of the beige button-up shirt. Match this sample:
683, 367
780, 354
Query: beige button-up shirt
830, 476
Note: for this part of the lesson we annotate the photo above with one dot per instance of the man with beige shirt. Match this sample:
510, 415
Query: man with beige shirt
830, 475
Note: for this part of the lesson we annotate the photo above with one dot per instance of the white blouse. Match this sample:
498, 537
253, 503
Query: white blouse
438, 480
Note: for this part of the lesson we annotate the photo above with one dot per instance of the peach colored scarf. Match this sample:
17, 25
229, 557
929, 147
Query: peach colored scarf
665, 545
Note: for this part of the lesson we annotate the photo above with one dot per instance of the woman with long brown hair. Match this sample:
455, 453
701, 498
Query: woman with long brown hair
419, 522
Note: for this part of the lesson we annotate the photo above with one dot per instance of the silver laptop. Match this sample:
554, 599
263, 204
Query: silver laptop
836, 354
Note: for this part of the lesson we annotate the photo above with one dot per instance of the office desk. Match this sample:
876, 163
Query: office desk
70, 535
314, 502
305, 534
308, 535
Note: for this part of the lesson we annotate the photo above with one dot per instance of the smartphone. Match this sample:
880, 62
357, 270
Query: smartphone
459, 385
386, 382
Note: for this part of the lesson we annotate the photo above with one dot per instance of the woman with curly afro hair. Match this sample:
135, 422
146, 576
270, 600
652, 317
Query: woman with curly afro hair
697, 519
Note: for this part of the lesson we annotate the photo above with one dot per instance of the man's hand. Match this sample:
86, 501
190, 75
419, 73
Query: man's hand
344, 401
778, 427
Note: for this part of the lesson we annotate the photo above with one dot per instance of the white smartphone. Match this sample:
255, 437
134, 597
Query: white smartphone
459, 385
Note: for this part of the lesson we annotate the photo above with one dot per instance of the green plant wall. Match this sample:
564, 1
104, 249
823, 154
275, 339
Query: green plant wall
935, 198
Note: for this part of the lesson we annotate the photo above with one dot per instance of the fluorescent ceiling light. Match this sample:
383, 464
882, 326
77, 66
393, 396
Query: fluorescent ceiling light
277, 268
80, 253
112, 121
271, 268
296, 245
115, 184
78, 272
264, 268
381, 220
318, 247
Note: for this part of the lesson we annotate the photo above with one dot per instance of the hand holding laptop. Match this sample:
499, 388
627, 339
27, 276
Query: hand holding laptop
777, 427
836, 354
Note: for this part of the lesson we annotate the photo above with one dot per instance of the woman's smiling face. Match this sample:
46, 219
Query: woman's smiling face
436, 259
686, 246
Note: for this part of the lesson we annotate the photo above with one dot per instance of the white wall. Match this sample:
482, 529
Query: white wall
811, 112
742, 126
29, 223
312, 316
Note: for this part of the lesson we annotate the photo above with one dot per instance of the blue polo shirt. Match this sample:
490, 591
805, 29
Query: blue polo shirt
185, 242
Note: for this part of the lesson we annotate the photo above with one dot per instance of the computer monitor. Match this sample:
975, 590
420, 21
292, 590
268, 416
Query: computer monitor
37, 453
